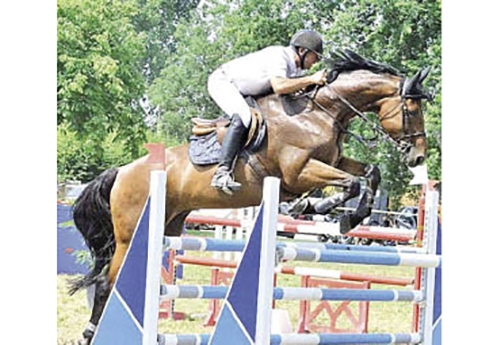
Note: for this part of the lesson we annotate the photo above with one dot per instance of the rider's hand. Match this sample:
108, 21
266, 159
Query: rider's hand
319, 77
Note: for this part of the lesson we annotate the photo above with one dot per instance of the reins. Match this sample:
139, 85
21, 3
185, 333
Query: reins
400, 143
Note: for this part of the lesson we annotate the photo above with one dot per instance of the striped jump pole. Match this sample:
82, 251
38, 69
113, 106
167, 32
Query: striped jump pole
289, 253
349, 257
288, 224
300, 271
211, 244
295, 294
303, 339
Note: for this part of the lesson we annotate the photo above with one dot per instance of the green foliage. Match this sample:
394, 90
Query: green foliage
99, 70
157, 21
77, 159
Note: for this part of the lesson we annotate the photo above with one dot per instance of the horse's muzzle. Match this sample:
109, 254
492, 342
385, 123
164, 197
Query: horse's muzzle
414, 160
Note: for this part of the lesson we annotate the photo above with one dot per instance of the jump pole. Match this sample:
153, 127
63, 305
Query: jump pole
290, 225
298, 271
430, 331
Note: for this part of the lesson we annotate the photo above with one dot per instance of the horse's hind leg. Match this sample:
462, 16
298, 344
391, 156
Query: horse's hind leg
101, 294
123, 236
175, 225
127, 199
103, 287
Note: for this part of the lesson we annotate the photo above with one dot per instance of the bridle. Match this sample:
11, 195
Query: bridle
402, 143
407, 114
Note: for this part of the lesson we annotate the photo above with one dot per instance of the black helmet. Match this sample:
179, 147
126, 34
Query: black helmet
308, 39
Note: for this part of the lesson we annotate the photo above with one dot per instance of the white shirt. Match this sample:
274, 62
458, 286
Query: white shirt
252, 73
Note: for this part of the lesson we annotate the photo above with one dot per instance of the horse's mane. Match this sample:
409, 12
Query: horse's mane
349, 61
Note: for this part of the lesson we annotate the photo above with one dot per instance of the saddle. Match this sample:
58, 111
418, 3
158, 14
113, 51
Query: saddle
203, 127
207, 135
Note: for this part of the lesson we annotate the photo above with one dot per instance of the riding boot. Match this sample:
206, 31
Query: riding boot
233, 143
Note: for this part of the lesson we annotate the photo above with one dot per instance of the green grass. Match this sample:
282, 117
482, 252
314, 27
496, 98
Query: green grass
394, 317
72, 312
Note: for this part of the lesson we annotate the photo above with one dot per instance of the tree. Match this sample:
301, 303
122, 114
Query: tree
157, 21
99, 73
78, 160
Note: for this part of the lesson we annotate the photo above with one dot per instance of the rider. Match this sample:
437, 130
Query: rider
268, 70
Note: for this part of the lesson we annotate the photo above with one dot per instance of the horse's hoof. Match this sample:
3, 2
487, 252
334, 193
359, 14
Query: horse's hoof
298, 207
84, 341
349, 222
345, 224
363, 210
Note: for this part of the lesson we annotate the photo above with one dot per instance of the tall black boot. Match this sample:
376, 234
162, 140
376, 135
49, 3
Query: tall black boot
233, 142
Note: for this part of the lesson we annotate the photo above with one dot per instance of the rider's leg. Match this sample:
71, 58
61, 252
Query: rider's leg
233, 143
229, 99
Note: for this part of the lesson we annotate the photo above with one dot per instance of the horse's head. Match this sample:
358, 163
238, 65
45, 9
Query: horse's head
365, 85
402, 118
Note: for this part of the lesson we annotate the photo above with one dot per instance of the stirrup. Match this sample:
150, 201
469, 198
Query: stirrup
223, 180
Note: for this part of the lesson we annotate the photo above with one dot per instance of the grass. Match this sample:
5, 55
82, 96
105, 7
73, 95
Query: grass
394, 317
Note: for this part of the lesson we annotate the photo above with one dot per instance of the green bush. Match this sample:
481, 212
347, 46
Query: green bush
83, 159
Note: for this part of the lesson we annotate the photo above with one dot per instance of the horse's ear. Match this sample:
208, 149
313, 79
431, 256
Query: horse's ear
353, 56
423, 74
410, 83
413, 86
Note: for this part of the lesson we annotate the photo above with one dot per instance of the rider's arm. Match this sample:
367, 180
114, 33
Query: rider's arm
282, 85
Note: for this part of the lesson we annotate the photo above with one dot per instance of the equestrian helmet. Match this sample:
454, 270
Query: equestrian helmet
308, 39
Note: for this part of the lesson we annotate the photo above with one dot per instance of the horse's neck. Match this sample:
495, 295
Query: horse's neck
273, 108
362, 89
311, 123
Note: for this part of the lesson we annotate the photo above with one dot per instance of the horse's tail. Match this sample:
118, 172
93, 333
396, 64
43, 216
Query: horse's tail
92, 217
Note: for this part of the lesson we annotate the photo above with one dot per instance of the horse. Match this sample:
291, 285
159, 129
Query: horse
304, 150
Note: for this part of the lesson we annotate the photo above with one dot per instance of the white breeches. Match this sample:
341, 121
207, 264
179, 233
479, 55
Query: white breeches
228, 97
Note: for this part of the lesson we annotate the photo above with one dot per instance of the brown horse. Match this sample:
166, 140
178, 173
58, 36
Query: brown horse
304, 151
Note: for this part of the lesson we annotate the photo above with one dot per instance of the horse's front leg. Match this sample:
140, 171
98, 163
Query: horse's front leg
372, 175
344, 176
316, 174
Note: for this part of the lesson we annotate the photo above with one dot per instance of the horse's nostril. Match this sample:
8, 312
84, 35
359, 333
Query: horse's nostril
420, 160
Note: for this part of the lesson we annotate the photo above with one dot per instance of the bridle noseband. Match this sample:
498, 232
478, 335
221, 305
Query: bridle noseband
403, 144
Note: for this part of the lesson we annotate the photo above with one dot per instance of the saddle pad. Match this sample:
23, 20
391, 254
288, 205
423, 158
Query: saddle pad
204, 150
